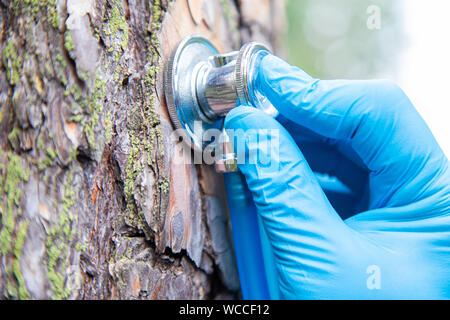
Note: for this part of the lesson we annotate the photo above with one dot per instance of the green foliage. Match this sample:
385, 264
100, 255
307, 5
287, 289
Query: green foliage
330, 39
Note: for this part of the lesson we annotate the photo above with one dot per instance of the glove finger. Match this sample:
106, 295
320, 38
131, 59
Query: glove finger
375, 117
295, 213
329, 158
304, 136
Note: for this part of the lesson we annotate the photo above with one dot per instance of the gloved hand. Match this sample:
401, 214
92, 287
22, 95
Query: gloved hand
368, 134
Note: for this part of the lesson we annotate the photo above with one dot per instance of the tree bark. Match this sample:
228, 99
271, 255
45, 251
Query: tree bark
93, 204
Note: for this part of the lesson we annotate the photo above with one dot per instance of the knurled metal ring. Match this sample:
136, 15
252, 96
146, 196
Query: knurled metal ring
242, 68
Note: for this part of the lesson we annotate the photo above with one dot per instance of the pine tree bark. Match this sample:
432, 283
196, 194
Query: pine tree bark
93, 204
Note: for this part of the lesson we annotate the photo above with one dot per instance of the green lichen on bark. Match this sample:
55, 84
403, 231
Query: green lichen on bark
13, 137
12, 62
68, 41
47, 154
94, 110
44, 10
11, 193
117, 28
52, 13
44, 162
59, 240
12, 237
81, 247
230, 15
108, 127
61, 60
163, 184
117, 22
75, 92
144, 130
50, 152
20, 240
60, 66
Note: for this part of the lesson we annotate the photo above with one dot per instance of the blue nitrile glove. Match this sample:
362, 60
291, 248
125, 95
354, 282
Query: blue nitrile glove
368, 134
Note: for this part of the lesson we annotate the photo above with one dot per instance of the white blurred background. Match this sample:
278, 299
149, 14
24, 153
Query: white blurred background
331, 39
424, 68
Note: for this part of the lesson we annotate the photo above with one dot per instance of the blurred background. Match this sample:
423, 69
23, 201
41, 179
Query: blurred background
403, 40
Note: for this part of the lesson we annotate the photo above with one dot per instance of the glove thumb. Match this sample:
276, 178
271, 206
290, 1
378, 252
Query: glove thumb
303, 228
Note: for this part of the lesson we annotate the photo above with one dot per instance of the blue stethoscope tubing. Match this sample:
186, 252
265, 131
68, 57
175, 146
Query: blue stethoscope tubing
257, 272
